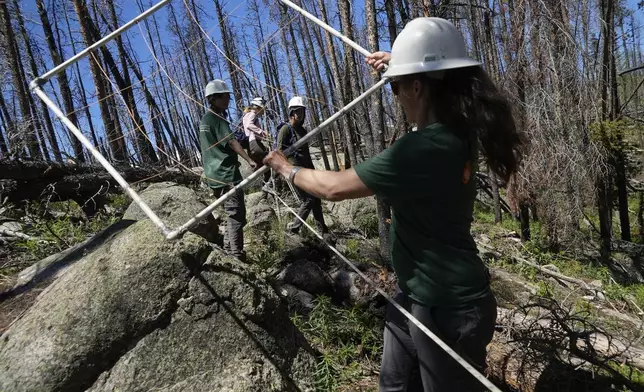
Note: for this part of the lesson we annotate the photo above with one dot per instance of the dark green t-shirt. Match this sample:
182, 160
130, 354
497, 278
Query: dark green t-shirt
289, 135
428, 178
220, 163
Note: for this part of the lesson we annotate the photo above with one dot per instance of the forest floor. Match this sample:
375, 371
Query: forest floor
350, 339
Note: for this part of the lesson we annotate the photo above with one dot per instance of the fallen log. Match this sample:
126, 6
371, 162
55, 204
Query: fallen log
31, 170
509, 360
485, 249
85, 184
14, 234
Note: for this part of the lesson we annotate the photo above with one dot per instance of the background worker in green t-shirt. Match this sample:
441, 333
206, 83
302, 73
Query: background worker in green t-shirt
428, 178
288, 135
219, 151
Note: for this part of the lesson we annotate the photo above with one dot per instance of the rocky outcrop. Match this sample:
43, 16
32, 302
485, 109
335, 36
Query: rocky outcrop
230, 333
141, 313
259, 213
55, 265
349, 213
91, 315
175, 205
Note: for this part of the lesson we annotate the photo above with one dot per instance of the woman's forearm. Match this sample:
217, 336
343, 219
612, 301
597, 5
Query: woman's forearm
329, 185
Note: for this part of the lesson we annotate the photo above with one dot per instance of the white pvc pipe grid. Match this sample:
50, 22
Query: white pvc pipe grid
36, 84
178, 232
171, 235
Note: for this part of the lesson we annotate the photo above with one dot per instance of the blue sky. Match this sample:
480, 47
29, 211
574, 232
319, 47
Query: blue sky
238, 14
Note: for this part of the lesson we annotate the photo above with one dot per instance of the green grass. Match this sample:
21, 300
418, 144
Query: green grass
267, 247
634, 375
346, 338
368, 224
352, 251
588, 270
52, 235
633, 207
568, 264
484, 216
62, 233
119, 202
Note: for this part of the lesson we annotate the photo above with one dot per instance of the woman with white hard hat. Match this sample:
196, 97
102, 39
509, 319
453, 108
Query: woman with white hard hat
252, 128
428, 178
255, 133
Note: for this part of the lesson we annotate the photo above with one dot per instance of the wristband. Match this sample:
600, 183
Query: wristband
292, 174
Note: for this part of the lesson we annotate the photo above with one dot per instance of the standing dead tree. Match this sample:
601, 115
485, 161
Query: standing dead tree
63, 81
30, 131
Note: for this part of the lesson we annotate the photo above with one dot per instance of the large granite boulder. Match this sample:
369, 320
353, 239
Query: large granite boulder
141, 313
352, 213
175, 205
91, 315
231, 333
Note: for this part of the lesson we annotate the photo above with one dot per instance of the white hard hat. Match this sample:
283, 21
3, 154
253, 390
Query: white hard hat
296, 102
217, 86
428, 44
259, 101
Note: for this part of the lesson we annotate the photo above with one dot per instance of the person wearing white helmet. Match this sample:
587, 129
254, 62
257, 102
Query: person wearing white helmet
288, 134
256, 134
252, 127
219, 151
428, 178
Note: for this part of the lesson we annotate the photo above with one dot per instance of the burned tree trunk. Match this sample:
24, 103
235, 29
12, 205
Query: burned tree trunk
81, 86
401, 126
603, 181
377, 120
114, 135
143, 144
18, 83
312, 69
63, 81
49, 127
339, 92
351, 70
228, 40
21, 181
4, 146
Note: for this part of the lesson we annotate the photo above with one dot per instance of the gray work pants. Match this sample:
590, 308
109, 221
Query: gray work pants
257, 153
309, 203
412, 362
236, 220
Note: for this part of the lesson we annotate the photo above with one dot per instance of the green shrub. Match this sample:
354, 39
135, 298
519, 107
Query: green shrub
267, 247
368, 224
344, 336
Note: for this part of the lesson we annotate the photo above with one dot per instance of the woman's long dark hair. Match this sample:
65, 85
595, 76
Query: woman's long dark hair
467, 100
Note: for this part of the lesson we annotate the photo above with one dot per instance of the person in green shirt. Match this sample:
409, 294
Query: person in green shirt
219, 151
428, 178
287, 135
